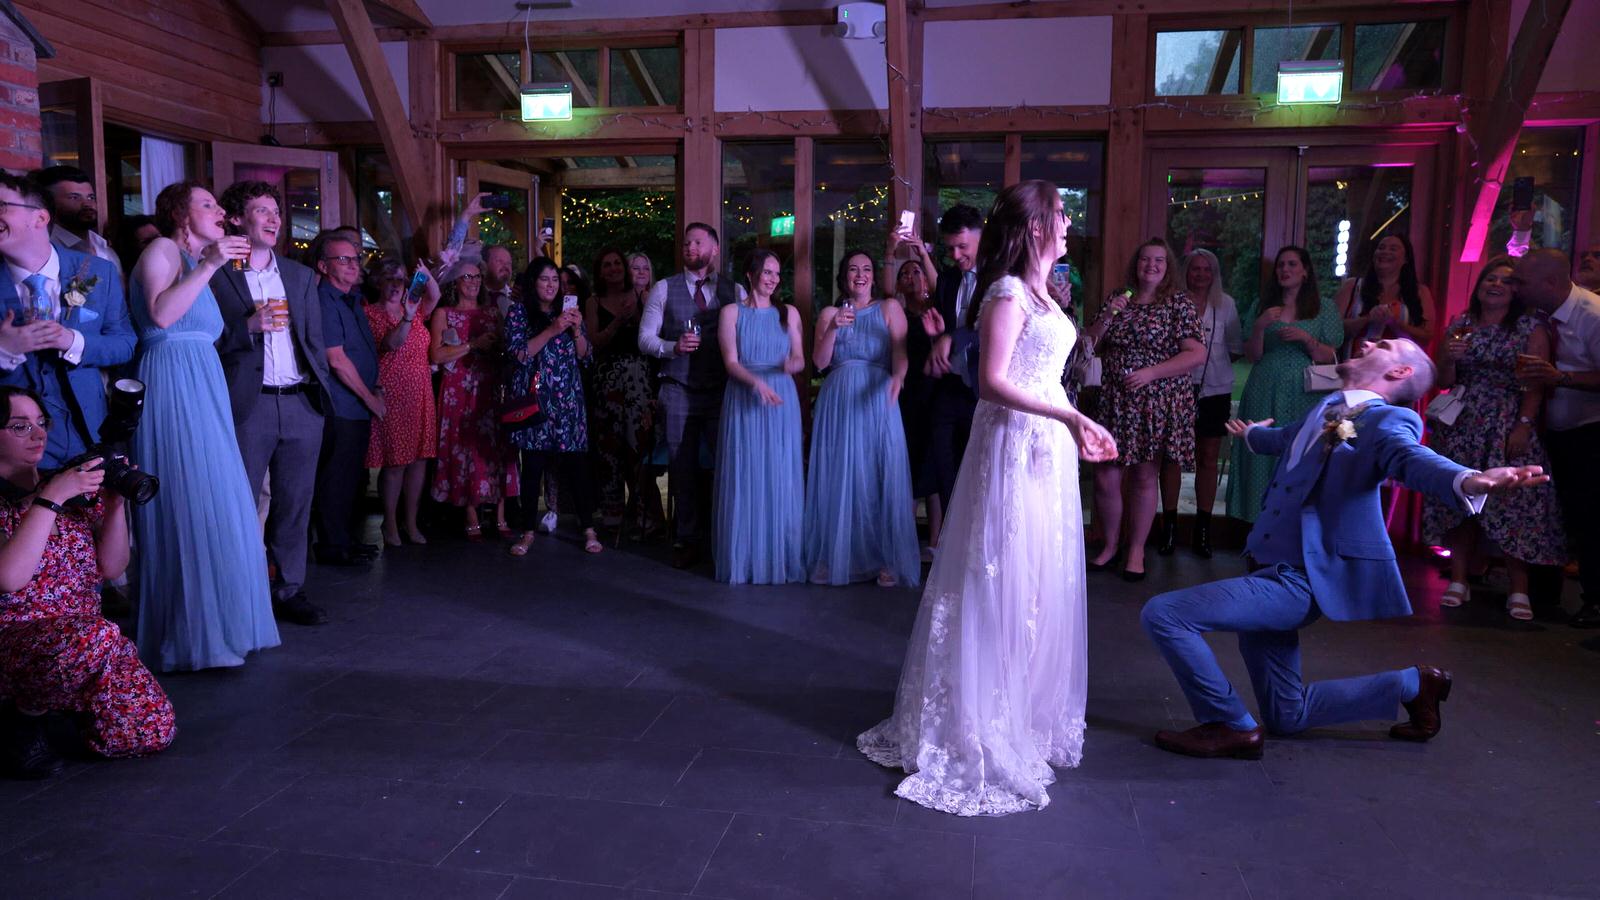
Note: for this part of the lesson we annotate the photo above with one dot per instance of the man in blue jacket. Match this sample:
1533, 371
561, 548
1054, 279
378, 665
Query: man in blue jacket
1323, 550
62, 319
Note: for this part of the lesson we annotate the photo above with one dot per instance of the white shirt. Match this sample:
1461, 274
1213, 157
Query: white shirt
51, 270
650, 341
280, 368
1311, 432
94, 245
1577, 337
502, 300
1223, 338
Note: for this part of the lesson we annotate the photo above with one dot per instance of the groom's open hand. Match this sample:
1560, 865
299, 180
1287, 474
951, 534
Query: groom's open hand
1237, 427
1503, 478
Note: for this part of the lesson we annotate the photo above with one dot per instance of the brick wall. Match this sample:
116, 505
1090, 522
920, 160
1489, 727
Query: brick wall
19, 100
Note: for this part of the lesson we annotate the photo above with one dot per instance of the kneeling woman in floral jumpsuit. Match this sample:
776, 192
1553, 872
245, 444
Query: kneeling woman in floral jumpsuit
57, 653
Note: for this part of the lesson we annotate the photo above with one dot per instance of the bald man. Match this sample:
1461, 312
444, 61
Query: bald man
1572, 416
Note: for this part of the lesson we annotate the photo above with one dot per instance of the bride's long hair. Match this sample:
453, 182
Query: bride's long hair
1008, 245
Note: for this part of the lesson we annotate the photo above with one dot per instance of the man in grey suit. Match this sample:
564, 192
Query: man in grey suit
276, 366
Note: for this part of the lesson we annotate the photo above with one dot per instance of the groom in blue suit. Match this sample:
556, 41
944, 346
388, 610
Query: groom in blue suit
1323, 549
62, 319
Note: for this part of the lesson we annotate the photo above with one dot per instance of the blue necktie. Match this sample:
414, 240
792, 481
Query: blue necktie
1307, 438
40, 299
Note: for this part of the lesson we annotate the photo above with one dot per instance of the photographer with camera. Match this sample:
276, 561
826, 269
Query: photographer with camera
60, 535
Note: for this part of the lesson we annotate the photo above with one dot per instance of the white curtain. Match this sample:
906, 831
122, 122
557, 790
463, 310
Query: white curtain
160, 164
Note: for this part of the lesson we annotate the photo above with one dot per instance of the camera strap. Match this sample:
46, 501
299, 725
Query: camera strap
80, 422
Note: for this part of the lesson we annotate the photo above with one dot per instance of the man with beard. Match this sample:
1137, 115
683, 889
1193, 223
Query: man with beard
497, 276
1588, 274
77, 214
679, 327
1323, 550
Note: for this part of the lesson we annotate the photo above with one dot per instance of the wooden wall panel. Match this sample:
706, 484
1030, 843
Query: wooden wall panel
190, 68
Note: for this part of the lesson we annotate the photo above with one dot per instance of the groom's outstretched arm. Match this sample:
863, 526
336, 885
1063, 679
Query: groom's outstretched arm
1402, 457
1261, 437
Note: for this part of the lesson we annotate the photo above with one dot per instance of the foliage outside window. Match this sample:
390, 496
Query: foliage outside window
1399, 55
594, 220
1372, 201
851, 209
645, 76
1197, 62
1077, 169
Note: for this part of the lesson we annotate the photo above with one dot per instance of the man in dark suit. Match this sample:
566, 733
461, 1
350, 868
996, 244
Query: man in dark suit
953, 340
276, 366
1323, 551
62, 319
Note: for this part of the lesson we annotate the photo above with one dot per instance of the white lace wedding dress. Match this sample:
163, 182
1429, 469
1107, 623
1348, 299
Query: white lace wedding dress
992, 693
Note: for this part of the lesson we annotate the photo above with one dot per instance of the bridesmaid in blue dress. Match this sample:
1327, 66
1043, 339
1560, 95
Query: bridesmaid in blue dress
204, 599
859, 522
759, 488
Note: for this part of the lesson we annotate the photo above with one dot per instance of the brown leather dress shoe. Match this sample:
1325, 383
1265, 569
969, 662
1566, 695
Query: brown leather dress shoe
1433, 688
1213, 740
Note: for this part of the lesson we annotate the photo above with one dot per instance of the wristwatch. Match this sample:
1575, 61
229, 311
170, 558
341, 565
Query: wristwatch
1564, 379
1524, 420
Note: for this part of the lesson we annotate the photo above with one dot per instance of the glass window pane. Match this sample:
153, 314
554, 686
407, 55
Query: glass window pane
581, 68
646, 76
1077, 169
1221, 210
851, 209
1198, 62
1397, 55
507, 227
957, 172
1553, 158
636, 210
1276, 45
1348, 208
488, 82
758, 206
59, 133
383, 225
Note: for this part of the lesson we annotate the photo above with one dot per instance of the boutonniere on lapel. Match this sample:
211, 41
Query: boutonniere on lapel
1340, 428
76, 293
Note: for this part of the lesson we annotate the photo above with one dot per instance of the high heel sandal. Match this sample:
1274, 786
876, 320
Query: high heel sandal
591, 541
520, 548
1455, 594
475, 533
1519, 607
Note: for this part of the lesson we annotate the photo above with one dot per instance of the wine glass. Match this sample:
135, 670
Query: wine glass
1461, 328
691, 325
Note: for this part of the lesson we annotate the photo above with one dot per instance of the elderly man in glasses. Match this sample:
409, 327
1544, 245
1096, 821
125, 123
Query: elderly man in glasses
353, 362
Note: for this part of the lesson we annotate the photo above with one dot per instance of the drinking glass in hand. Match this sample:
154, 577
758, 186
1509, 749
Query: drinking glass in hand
1461, 329
691, 325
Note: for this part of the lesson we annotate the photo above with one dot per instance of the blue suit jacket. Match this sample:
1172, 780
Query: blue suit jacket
1333, 494
108, 340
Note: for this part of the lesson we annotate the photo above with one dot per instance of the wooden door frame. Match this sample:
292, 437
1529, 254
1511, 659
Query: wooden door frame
225, 156
84, 94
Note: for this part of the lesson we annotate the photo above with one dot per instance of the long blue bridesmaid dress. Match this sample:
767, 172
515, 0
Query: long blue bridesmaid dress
759, 488
204, 598
859, 515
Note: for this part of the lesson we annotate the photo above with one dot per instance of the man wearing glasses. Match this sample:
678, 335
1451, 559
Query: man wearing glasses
62, 319
353, 362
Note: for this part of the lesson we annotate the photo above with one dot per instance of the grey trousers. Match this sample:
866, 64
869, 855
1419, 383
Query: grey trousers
283, 436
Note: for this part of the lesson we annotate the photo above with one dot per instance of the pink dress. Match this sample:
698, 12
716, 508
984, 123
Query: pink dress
410, 429
476, 464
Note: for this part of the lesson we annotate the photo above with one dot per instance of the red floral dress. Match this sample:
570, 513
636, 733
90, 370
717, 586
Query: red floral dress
409, 431
58, 653
476, 464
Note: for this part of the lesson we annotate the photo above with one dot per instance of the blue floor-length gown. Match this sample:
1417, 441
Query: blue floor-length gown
859, 519
204, 599
760, 484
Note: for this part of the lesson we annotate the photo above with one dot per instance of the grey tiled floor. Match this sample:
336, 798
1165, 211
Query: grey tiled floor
563, 726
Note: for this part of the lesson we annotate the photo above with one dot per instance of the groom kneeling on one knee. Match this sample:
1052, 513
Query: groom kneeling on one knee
1322, 549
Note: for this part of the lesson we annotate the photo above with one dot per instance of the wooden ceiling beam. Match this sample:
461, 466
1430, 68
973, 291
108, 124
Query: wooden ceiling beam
1494, 130
383, 98
408, 12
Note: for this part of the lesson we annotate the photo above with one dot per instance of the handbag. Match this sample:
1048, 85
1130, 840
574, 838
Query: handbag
1083, 367
1444, 408
521, 410
1322, 378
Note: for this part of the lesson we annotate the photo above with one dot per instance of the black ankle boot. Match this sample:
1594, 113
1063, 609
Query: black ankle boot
1169, 533
25, 750
1202, 535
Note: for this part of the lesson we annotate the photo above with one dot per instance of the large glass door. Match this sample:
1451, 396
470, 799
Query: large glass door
509, 221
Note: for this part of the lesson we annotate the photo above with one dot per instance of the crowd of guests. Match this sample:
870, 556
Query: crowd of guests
270, 387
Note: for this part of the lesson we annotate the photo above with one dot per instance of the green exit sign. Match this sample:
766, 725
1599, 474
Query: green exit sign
783, 226
1303, 82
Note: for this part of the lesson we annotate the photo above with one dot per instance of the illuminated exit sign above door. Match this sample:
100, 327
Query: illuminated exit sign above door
1303, 82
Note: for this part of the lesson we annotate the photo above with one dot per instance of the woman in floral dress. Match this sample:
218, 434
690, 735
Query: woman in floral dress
475, 465
57, 653
408, 434
1148, 340
1478, 360
548, 344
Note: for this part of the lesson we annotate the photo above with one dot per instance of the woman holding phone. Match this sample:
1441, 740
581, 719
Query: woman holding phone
408, 434
548, 348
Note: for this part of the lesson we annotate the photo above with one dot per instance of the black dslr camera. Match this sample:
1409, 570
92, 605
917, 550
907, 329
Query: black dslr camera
124, 406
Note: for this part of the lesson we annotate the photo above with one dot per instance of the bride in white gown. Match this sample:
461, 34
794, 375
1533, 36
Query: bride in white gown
992, 693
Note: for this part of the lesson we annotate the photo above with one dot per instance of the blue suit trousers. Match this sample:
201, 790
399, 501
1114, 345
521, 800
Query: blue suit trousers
1266, 608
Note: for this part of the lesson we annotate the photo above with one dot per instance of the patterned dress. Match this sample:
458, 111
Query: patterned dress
1275, 390
1158, 419
1526, 523
624, 420
475, 464
565, 427
58, 653
410, 429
